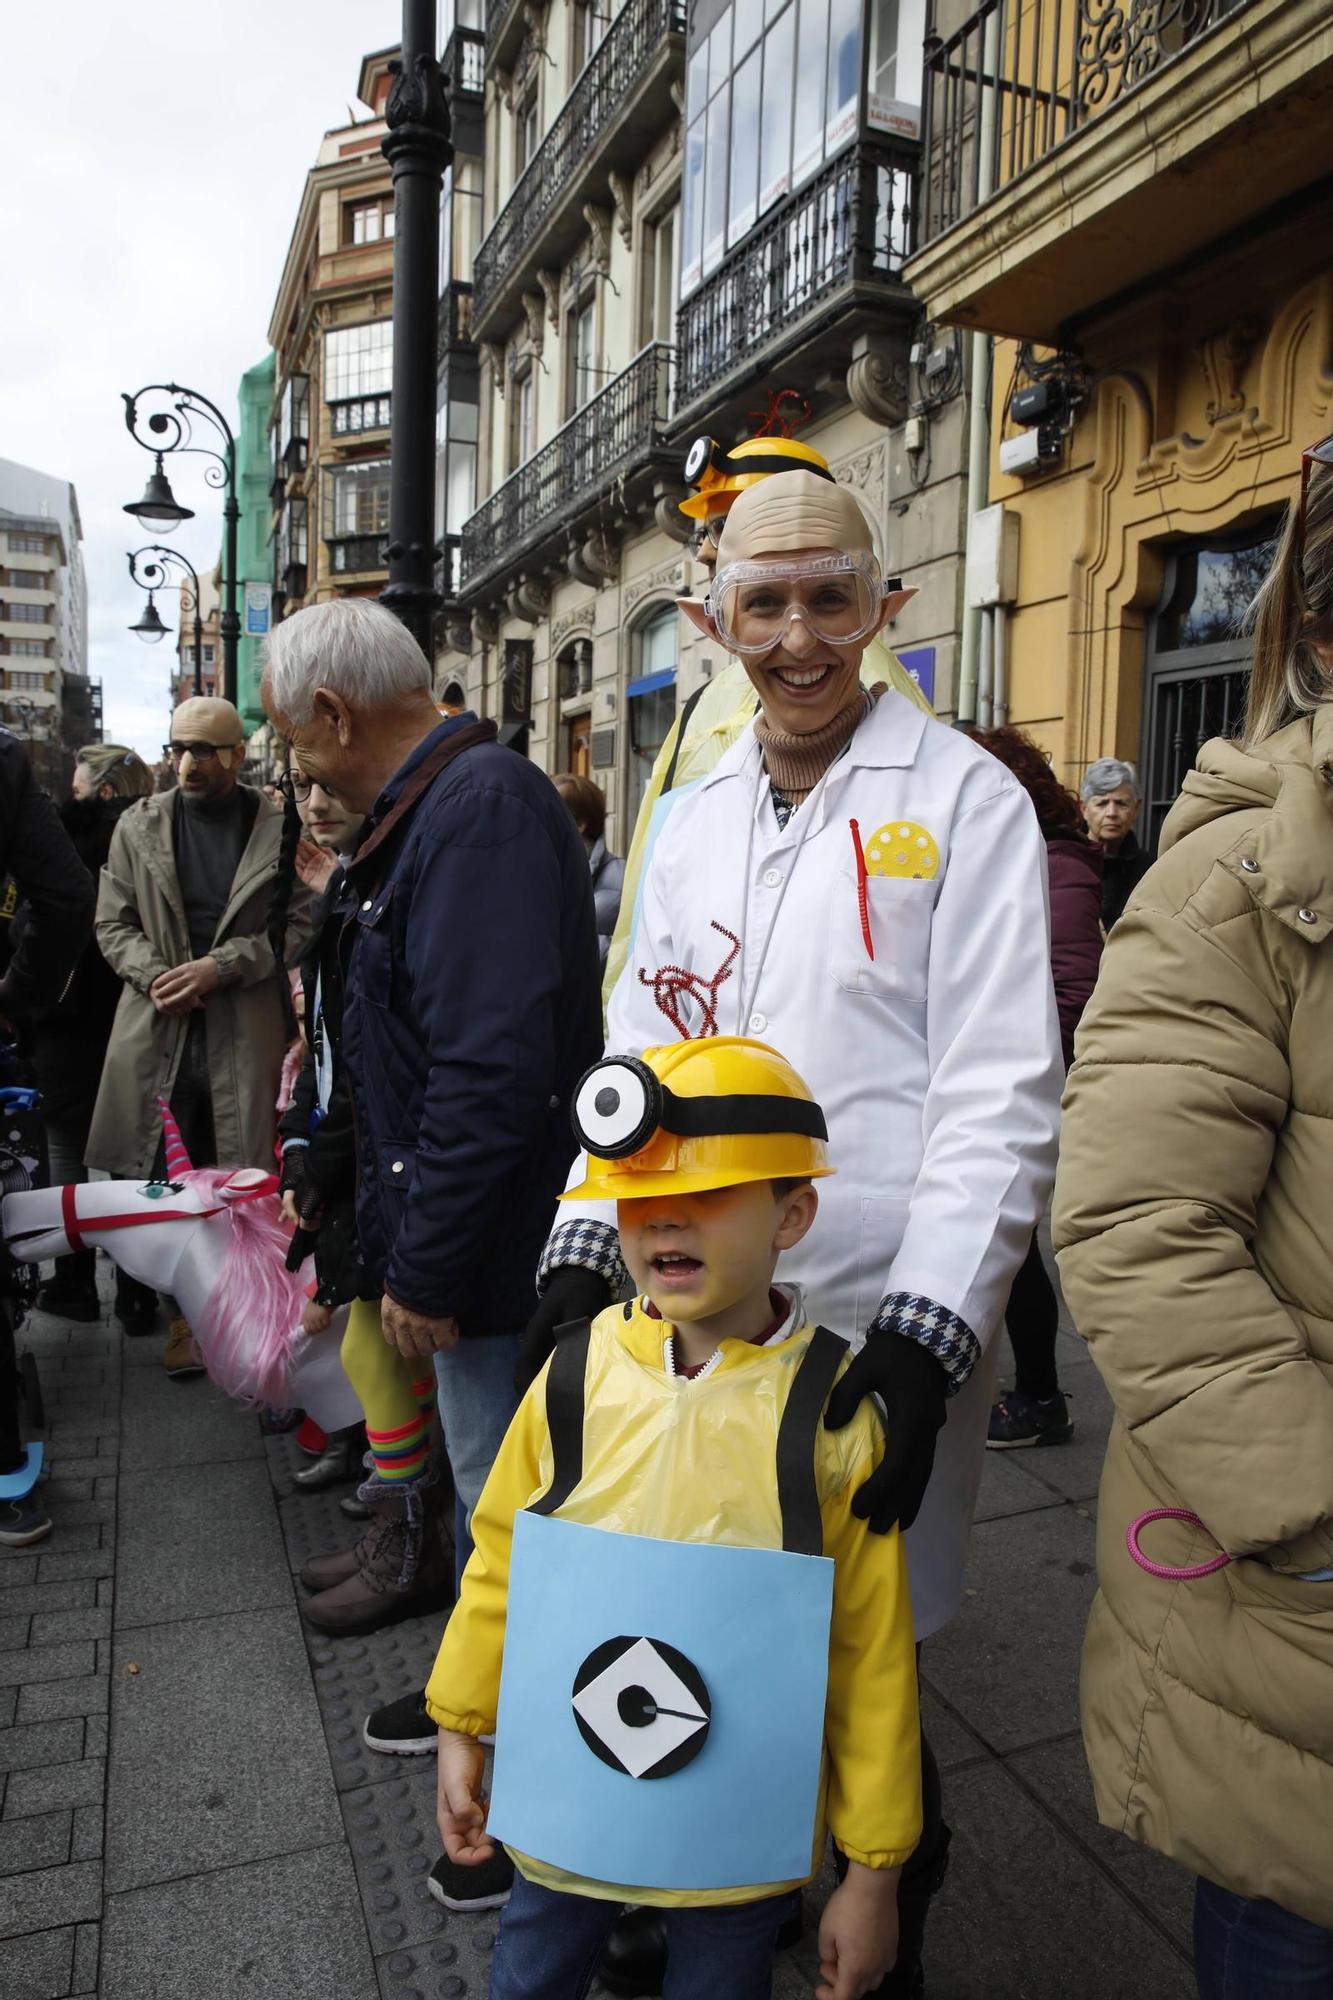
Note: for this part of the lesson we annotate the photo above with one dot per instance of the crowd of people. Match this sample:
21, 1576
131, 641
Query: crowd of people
675, 1332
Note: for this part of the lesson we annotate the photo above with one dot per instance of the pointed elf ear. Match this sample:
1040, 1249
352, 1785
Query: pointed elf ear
694, 609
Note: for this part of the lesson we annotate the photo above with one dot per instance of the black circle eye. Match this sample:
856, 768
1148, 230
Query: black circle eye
617, 1107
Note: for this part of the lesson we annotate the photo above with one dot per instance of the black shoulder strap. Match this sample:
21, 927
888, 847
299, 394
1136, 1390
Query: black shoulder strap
798, 1491
681, 727
564, 1414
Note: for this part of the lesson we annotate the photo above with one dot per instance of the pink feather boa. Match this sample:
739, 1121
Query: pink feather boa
249, 1323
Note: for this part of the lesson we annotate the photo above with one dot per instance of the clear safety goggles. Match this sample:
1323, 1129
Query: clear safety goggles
839, 598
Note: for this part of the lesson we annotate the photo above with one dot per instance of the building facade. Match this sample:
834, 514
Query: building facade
45, 696
254, 552
332, 337
695, 219
210, 643
1144, 220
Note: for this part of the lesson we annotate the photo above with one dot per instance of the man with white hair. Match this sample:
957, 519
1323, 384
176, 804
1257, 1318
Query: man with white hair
1111, 796
184, 915
471, 1003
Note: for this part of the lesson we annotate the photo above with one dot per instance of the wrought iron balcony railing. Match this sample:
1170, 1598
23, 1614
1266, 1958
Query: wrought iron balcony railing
625, 422
1020, 77
464, 61
624, 57
850, 226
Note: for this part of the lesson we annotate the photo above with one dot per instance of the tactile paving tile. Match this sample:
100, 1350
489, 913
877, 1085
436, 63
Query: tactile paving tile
355, 1675
393, 1840
446, 1970
313, 1524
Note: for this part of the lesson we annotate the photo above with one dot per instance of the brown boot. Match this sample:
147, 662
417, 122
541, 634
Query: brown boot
401, 1568
181, 1357
322, 1572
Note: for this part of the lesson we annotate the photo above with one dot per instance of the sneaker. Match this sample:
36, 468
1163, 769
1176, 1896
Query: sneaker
485, 1887
70, 1301
181, 1358
1022, 1420
401, 1728
23, 1521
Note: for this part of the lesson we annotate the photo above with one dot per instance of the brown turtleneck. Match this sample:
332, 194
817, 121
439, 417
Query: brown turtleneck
795, 764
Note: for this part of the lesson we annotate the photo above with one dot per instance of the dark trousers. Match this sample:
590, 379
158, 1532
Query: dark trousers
192, 1109
1246, 1948
1032, 1319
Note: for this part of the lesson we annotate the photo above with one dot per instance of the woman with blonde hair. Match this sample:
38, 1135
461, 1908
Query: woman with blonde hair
1192, 1225
69, 1046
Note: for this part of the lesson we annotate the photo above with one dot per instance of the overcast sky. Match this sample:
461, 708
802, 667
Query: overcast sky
151, 161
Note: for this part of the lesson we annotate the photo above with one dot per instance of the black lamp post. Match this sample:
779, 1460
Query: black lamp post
151, 577
417, 148
172, 430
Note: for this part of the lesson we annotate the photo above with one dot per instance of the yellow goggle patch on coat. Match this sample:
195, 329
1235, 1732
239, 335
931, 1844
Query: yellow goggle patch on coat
904, 850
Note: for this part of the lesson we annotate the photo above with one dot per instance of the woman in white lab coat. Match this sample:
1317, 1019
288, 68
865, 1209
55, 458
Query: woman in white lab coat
865, 889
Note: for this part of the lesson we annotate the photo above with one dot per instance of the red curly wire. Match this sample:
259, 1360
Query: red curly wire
671, 983
862, 892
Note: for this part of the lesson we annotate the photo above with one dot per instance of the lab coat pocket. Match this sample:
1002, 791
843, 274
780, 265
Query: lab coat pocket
897, 917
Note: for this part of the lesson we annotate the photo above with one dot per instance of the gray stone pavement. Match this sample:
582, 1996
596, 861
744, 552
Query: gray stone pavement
187, 1811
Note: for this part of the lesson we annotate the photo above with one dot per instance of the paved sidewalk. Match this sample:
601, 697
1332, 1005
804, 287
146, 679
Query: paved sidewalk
187, 1811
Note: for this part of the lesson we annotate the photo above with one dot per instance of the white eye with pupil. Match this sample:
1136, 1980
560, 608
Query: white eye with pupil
616, 1108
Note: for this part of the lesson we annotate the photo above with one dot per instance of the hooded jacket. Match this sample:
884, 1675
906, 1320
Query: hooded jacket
1192, 1224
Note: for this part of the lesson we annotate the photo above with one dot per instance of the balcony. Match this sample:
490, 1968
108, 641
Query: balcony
1075, 151
617, 107
815, 277
541, 511
453, 326
464, 63
356, 555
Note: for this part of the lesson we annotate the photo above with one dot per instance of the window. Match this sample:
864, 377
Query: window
368, 221
651, 696
592, 18
460, 221
523, 439
291, 436
292, 536
29, 649
527, 133
455, 464
897, 32
358, 361
658, 315
583, 369
29, 545
30, 579
364, 413
24, 614
31, 682
356, 513
772, 91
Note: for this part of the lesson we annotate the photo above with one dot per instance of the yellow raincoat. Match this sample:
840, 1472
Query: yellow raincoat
725, 707
694, 1461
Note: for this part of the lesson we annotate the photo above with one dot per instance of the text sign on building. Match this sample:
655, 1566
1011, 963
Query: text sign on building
258, 610
920, 664
603, 748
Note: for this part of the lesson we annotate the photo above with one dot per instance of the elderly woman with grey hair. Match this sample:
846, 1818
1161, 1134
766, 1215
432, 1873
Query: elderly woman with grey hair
1111, 796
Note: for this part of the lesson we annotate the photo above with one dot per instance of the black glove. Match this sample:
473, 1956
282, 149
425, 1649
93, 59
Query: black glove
914, 1389
573, 1293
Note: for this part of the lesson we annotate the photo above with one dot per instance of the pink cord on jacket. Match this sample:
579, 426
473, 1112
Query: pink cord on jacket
1163, 1570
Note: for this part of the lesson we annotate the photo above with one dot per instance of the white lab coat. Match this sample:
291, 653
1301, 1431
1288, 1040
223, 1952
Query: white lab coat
937, 1063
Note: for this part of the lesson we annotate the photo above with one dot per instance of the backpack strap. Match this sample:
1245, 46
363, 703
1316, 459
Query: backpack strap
564, 1414
798, 1433
668, 782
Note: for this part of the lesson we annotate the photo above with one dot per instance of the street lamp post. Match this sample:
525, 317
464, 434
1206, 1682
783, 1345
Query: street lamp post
417, 148
172, 430
151, 577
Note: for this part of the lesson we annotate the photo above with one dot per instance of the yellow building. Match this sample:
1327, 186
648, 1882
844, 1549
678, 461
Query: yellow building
1137, 201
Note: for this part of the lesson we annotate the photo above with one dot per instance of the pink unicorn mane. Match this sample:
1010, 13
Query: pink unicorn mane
252, 1314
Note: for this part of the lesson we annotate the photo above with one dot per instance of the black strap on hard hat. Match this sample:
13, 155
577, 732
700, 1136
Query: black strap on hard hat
771, 461
745, 1112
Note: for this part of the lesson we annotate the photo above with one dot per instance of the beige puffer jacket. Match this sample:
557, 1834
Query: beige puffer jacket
1194, 1226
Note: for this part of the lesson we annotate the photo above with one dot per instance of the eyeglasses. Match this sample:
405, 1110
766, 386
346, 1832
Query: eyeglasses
838, 598
1318, 454
203, 753
708, 531
295, 785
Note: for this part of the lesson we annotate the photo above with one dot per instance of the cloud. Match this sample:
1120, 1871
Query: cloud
154, 159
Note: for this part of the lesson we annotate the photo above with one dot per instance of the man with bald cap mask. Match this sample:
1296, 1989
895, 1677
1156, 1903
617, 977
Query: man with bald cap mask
863, 888
183, 916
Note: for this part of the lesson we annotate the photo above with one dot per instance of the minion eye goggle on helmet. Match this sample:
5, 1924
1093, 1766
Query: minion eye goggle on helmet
620, 1104
709, 464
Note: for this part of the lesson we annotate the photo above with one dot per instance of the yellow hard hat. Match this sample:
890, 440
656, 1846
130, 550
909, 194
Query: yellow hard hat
697, 1115
720, 475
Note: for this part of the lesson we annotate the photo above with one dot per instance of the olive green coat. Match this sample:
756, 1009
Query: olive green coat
1194, 1226
142, 932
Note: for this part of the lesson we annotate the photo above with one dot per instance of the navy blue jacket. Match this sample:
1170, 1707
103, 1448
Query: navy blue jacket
471, 1011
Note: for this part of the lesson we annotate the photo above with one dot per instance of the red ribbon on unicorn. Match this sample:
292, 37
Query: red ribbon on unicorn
214, 1239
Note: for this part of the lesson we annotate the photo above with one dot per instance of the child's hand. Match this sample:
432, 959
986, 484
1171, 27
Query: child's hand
858, 1937
460, 1810
315, 1318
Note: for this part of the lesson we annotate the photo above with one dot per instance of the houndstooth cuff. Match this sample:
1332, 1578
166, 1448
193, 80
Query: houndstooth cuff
595, 1245
941, 1332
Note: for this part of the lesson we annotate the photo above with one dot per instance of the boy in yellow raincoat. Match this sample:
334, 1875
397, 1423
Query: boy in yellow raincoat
682, 1437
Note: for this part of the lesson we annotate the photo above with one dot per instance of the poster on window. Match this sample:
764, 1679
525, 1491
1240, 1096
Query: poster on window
889, 114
